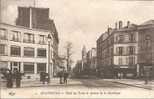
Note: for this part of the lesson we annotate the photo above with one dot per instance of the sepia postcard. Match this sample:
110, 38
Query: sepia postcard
60, 49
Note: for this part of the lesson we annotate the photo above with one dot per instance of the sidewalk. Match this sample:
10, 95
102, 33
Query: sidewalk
37, 83
32, 83
134, 83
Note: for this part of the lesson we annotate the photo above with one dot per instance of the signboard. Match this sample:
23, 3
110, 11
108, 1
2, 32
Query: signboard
147, 68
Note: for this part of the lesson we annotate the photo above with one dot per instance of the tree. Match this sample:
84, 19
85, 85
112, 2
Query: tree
68, 47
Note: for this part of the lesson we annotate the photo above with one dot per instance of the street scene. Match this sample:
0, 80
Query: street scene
81, 49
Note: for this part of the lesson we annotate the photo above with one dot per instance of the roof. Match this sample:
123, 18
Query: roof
149, 22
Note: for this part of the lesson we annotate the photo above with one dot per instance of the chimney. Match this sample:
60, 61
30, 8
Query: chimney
128, 23
120, 24
116, 25
109, 30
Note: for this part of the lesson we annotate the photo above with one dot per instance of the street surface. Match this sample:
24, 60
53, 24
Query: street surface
74, 88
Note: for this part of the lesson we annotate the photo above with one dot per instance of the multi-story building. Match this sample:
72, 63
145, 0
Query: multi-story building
25, 49
117, 51
38, 18
146, 48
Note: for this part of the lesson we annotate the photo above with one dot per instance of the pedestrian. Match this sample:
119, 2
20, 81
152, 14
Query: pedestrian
18, 78
60, 74
9, 79
43, 77
119, 75
65, 76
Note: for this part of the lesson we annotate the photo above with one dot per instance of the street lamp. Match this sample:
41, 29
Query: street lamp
49, 54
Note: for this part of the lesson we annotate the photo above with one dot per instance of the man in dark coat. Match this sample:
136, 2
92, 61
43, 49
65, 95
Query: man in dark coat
60, 74
17, 75
9, 79
43, 77
65, 76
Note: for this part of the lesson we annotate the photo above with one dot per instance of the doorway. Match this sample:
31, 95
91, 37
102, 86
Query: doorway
15, 66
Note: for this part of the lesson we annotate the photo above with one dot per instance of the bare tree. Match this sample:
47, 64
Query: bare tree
68, 47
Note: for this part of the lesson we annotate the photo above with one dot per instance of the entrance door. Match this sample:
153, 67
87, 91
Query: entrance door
15, 66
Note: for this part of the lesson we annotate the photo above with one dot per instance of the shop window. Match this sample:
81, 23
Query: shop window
28, 67
41, 67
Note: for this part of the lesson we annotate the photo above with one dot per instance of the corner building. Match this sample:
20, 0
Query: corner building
117, 52
25, 49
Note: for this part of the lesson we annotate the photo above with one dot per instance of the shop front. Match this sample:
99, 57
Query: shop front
124, 72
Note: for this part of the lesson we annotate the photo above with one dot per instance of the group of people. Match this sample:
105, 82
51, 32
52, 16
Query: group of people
11, 77
63, 75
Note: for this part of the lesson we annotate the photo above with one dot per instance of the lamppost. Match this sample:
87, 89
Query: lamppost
49, 55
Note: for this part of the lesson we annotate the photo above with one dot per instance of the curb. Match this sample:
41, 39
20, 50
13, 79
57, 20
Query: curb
132, 85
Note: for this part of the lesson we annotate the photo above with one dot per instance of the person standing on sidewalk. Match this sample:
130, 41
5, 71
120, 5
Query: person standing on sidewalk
61, 73
9, 79
65, 76
17, 75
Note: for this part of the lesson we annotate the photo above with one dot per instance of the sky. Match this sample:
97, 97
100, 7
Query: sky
83, 21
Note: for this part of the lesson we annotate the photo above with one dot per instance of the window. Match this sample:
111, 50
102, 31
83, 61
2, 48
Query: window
132, 37
15, 66
119, 50
41, 52
15, 51
15, 36
41, 67
131, 60
3, 34
131, 50
42, 39
148, 41
28, 38
28, 51
29, 67
3, 49
120, 38
120, 61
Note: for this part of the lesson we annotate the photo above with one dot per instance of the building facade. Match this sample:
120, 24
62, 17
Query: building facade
117, 51
26, 50
38, 18
146, 49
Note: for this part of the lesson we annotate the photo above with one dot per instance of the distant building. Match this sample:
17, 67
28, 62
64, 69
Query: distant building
91, 61
25, 49
77, 70
84, 57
